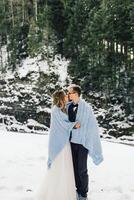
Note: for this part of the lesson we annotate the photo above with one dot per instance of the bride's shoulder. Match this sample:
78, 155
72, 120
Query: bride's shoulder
55, 109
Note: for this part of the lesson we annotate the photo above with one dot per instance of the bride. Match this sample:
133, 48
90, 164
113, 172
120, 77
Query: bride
59, 182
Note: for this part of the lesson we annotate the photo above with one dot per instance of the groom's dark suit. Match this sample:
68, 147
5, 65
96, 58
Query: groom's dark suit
79, 155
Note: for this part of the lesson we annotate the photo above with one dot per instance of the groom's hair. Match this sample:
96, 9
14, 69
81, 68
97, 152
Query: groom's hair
76, 88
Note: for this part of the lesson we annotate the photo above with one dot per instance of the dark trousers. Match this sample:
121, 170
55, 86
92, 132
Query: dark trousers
79, 155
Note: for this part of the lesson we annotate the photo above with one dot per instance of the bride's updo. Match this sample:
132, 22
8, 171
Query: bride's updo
58, 99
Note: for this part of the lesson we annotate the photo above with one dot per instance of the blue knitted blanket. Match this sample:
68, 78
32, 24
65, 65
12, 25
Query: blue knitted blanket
88, 133
60, 128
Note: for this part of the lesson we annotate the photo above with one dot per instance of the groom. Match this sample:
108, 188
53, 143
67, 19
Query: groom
79, 146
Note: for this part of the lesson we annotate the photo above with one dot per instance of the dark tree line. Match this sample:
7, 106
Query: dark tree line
96, 35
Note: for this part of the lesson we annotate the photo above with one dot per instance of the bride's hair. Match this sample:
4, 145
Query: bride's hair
58, 99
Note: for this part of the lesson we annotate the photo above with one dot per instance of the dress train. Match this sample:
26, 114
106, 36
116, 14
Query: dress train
59, 182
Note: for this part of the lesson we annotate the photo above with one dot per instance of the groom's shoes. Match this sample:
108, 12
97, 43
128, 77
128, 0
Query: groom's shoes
82, 198
78, 196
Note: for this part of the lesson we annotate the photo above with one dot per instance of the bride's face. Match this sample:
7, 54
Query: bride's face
66, 98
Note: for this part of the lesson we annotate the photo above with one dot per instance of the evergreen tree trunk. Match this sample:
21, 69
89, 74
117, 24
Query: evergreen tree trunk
47, 34
1, 56
12, 13
23, 11
36, 9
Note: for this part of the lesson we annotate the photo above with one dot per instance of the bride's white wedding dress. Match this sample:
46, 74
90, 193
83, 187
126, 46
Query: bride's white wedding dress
59, 182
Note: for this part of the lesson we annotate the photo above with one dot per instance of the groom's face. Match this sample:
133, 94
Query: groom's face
71, 94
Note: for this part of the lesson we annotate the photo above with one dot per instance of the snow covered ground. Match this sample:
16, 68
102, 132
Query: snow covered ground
23, 163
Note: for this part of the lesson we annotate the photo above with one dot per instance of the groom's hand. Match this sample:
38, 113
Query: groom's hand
77, 125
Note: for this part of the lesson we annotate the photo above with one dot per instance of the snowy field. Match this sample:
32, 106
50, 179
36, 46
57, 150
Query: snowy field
23, 163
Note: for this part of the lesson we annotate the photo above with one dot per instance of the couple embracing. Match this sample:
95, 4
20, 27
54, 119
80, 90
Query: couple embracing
73, 136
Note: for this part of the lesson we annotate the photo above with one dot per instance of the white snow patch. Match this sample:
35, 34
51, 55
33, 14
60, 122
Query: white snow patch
23, 160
